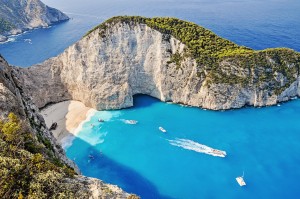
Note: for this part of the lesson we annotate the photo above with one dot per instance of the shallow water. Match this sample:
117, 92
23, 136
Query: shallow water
264, 143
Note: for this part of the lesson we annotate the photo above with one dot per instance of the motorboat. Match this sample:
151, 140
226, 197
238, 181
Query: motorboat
131, 121
217, 152
162, 129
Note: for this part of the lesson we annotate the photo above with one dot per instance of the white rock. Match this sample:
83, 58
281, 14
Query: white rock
105, 73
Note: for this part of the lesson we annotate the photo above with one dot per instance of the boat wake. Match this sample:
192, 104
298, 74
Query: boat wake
129, 121
195, 146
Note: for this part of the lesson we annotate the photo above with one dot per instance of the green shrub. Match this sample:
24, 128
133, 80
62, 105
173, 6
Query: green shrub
23, 164
5, 26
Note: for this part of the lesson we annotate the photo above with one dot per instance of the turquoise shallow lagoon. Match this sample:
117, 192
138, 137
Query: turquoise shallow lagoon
263, 142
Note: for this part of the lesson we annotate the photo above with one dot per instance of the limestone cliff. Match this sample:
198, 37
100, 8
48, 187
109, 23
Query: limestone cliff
133, 55
52, 182
17, 16
14, 99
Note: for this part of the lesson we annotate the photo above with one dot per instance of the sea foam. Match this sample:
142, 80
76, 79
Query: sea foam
197, 147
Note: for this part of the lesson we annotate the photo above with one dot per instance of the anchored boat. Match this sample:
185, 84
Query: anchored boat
241, 180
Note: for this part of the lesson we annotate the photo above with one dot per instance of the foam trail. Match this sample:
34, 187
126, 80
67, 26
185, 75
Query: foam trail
195, 146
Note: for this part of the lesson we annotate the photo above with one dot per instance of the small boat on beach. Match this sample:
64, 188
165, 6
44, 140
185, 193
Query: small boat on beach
53, 126
240, 180
131, 121
162, 129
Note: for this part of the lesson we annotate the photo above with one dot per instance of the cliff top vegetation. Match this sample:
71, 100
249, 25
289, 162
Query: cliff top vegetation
209, 50
203, 44
27, 168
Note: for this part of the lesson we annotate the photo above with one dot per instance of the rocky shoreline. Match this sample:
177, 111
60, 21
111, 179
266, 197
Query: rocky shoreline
5, 38
31, 14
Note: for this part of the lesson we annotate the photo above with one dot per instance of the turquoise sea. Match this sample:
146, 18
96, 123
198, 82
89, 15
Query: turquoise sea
264, 143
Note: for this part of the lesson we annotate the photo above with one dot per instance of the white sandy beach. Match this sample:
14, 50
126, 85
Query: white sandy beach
69, 115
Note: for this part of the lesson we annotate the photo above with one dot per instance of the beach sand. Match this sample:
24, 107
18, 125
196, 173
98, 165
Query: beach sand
69, 115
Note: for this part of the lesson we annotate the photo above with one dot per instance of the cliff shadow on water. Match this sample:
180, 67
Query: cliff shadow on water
94, 163
143, 100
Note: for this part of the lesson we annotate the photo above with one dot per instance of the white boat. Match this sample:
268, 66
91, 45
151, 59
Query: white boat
162, 129
216, 152
240, 180
131, 121
100, 120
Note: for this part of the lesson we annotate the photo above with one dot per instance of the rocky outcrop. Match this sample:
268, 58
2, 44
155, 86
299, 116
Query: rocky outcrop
106, 73
17, 16
14, 99
116, 61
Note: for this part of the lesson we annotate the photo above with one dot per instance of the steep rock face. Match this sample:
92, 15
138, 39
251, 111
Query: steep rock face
14, 99
106, 72
17, 16
108, 66
9, 101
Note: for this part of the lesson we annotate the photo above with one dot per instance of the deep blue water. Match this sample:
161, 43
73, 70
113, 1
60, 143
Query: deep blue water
264, 143
253, 23
139, 158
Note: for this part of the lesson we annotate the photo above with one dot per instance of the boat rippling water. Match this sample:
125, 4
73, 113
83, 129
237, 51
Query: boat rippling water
195, 146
